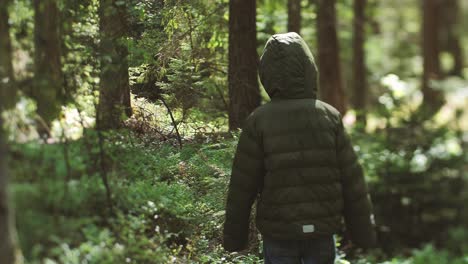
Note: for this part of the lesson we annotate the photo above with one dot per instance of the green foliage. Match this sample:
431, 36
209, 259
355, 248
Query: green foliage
415, 170
21, 16
184, 62
427, 255
168, 203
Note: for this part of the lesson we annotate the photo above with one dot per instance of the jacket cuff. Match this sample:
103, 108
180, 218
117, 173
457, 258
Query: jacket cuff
234, 243
363, 232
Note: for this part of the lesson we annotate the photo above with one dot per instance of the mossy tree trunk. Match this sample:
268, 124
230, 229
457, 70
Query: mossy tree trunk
48, 77
244, 94
330, 79
6, 68
10, 252
114, 91
9, 248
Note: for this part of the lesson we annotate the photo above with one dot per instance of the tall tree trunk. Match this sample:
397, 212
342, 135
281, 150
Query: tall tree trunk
6, 68
359, 65
114, 94
244, 91
455, 49
330, 80
433, 99
9, 248
449, 35
48, 77
294, 16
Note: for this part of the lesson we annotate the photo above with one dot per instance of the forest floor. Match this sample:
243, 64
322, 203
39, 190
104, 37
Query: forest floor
166, 206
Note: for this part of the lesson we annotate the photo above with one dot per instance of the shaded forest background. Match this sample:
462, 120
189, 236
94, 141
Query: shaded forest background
120, 120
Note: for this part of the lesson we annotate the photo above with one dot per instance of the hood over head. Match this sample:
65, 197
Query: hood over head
287, 68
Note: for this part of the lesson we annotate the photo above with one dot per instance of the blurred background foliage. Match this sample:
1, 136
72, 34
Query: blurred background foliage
168, 166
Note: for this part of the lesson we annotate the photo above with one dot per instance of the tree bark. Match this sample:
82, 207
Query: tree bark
433, 99
9, 249
48, 78
114, 93
244, 91
449, 35
330, 80
359, 65
294, 16
6, 68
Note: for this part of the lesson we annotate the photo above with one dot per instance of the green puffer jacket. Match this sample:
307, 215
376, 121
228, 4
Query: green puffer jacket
295, 158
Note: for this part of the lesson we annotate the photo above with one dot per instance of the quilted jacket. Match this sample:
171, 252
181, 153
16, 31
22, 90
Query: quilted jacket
295, 158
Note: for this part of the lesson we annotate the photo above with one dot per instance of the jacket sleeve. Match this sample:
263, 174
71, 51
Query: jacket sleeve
357, 204
245, 183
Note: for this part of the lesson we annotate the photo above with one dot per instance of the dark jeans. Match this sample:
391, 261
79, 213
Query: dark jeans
320, 250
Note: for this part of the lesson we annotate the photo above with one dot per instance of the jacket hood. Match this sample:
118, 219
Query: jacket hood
287, 68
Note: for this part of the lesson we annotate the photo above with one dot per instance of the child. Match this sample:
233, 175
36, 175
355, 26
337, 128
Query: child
295, 158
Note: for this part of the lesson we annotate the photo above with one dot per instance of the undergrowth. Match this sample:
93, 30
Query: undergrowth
167, 203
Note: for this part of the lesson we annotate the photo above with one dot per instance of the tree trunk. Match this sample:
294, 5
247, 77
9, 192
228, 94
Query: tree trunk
456, 51
433, 99
48, 77
114, 94
449, 35
330, 80
244, 91
6, 68
9, 250
294, 16
359, 65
